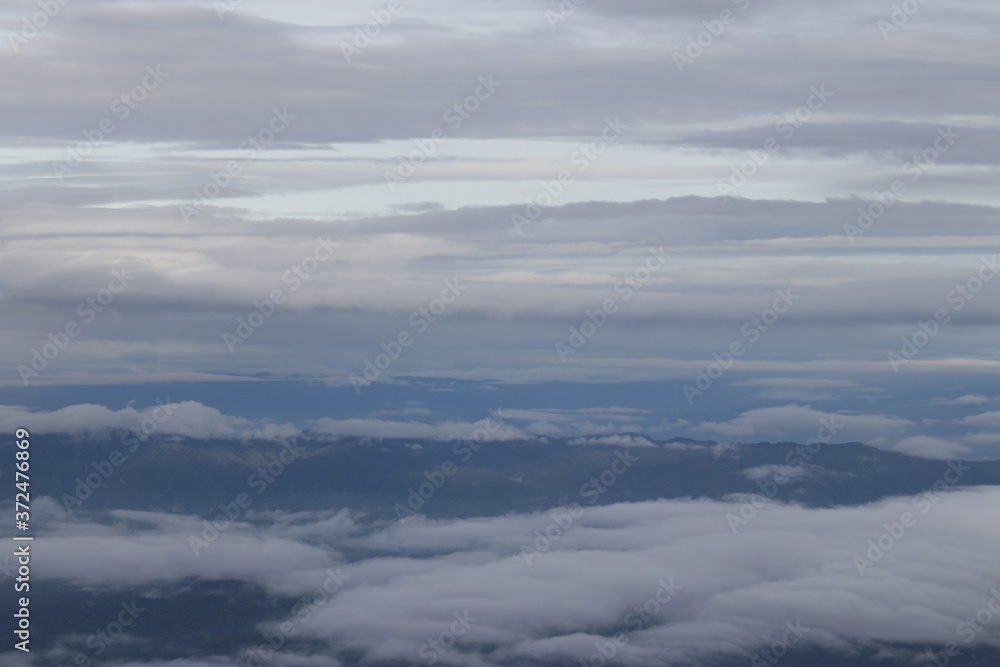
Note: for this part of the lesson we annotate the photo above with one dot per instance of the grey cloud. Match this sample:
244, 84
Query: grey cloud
187, 418
784, 421
412, 578
547, 80
932, 448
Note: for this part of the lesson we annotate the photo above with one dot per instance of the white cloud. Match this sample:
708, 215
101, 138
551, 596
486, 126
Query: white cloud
484, 429
799, 383
967, 399
736, 591
984, 420
760, 473
798, 421
615, 441
932, 448
151, 547
190, 419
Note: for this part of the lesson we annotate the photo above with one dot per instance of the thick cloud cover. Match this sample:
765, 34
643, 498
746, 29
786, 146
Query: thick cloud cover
852, 106
555, 584
756, 223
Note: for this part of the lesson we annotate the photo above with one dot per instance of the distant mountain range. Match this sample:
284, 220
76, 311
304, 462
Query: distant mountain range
390, 478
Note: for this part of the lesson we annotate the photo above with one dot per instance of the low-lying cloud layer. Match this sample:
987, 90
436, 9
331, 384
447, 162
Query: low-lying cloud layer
683, 580
612, 426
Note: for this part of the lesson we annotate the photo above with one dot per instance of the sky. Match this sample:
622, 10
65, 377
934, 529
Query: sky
722, 220
604, 220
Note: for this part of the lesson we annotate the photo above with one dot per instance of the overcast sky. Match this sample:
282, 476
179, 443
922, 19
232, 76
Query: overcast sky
674, 169
736, 220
